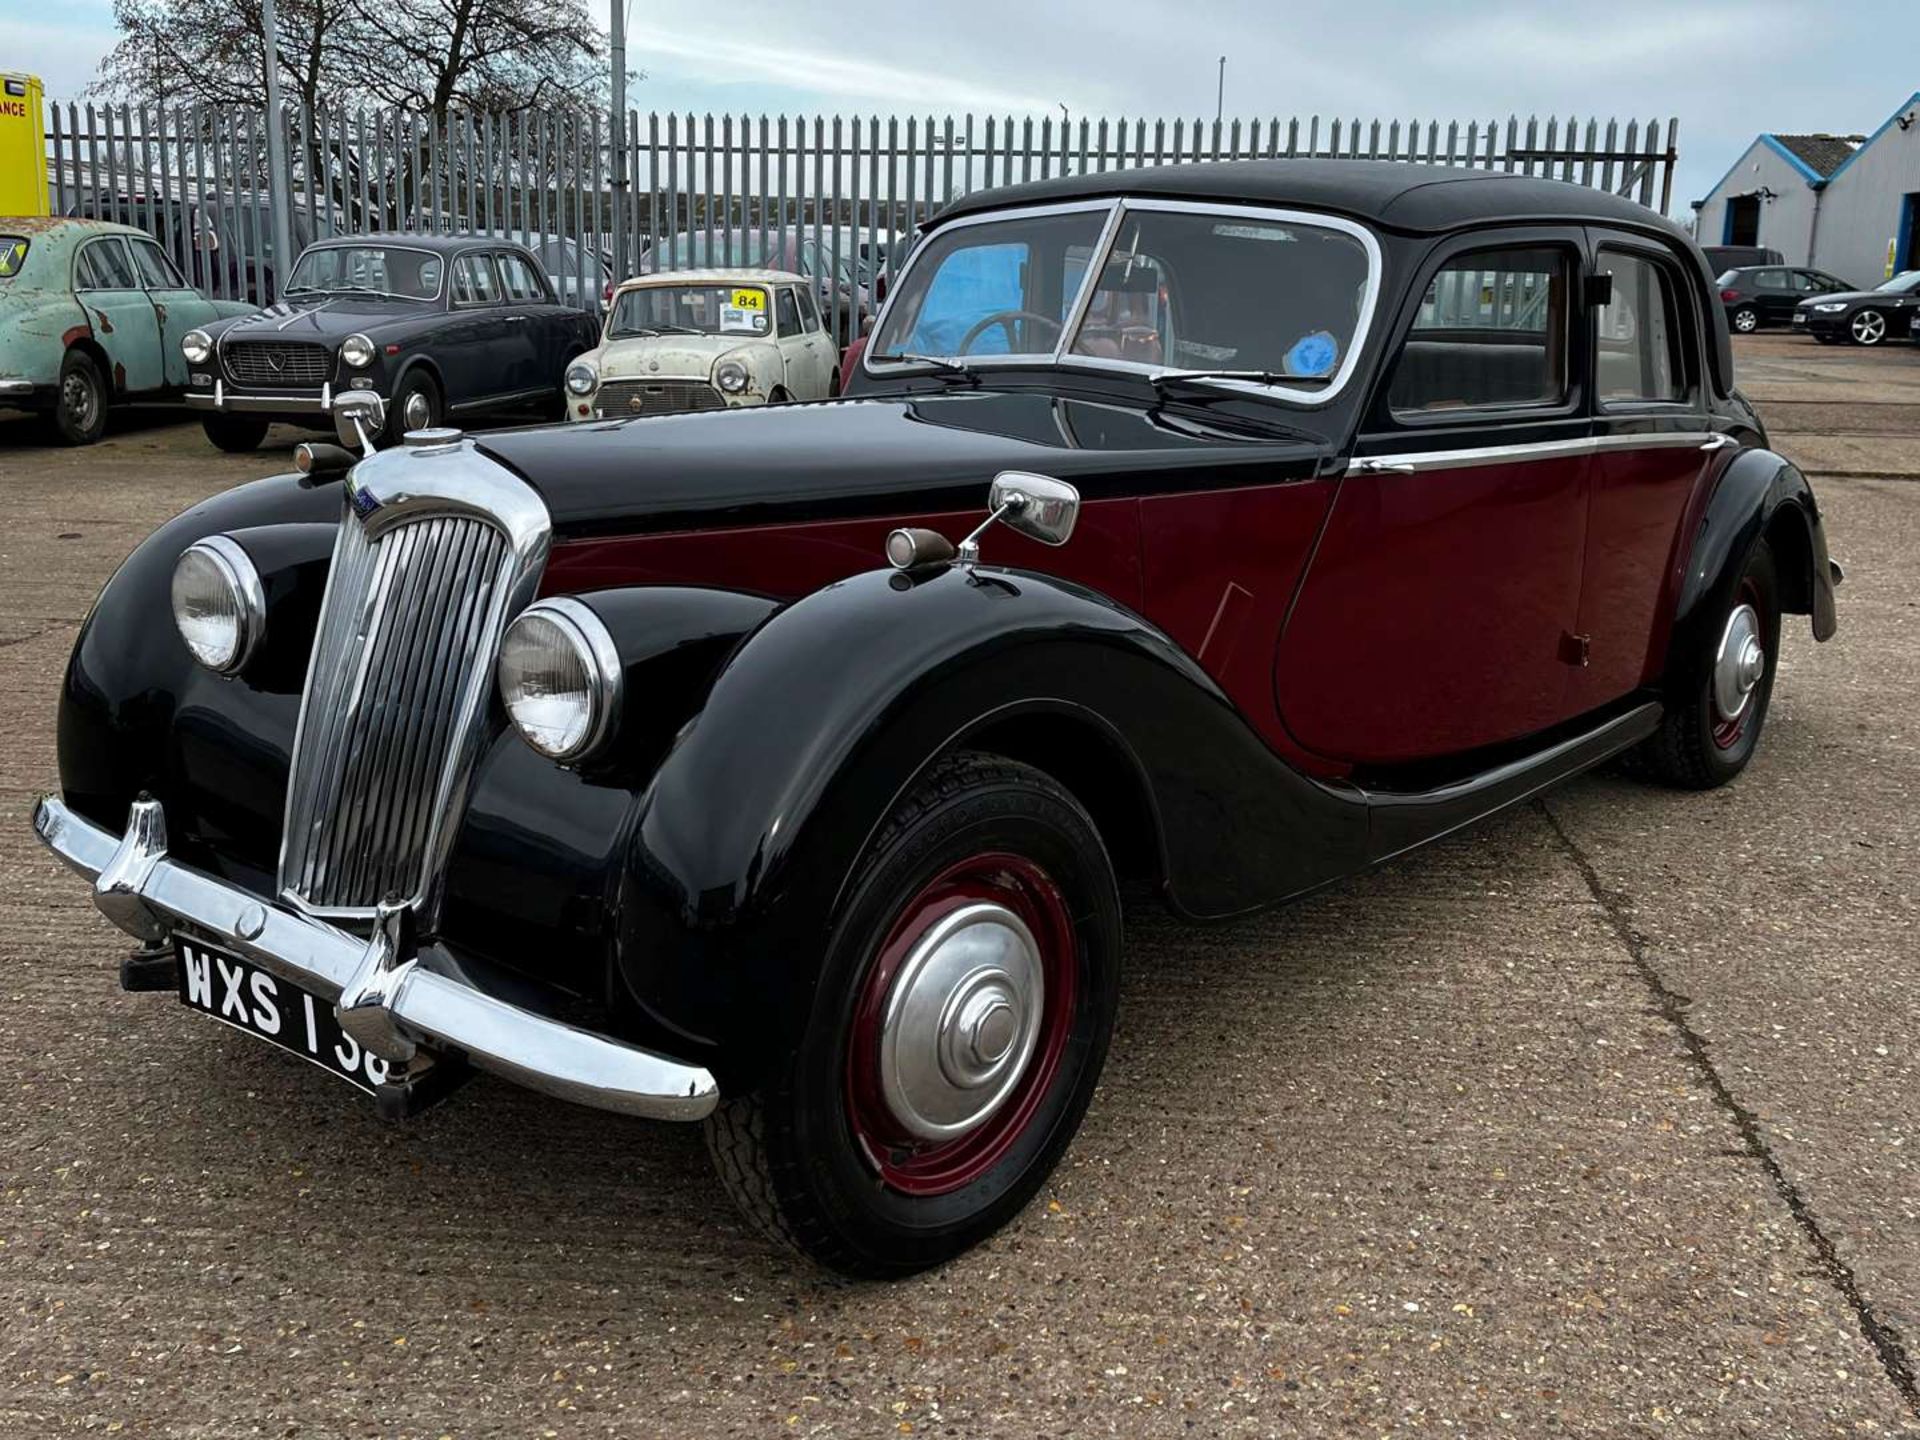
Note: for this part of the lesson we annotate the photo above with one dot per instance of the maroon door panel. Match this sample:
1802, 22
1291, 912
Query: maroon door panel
1221, 569
1434, 614
1638, 499
789, 560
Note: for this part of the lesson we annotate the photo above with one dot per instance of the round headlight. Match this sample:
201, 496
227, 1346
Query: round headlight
582, 377
196, 345
219, 605
730, 376
559, 677
357, 351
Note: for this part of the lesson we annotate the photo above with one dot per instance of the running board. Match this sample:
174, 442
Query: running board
1398, 823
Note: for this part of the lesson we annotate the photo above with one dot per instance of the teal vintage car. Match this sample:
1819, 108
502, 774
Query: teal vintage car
91, 315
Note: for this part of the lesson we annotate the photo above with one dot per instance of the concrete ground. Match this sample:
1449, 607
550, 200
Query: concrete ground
1600, 1120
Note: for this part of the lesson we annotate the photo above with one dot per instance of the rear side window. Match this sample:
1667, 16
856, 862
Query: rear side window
1490, 333
473, 282
1770, 279
1639, 333
104, 266
13, 255
155, 268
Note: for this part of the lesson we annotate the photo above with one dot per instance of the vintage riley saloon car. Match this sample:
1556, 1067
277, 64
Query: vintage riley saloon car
779, 770
704, 340
438, 326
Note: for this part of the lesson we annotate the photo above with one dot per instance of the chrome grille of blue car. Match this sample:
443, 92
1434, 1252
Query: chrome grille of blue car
271, 364
402, 665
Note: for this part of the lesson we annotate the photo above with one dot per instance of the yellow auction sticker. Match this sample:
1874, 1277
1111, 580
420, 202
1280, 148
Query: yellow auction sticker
749, 299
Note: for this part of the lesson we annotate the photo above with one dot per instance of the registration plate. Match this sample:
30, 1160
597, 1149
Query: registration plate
268, 1007
1799, 319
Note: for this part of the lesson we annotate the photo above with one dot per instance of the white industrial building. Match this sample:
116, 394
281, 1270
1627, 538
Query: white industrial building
1846, 204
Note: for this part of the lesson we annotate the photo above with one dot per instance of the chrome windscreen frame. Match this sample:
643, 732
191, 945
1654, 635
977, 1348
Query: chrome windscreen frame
1117, 210
414, 482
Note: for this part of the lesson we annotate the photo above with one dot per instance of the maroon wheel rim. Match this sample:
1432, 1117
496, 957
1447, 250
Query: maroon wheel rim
1728, 733
915, 1166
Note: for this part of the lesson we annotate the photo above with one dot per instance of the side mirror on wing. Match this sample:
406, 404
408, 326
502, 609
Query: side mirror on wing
358, 416
1037, 506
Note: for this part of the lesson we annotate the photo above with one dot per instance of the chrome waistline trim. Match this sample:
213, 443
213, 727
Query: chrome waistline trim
394, 1002
1404, 461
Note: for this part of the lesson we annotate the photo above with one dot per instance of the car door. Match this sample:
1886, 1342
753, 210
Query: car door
124, 323
177, 306
1438, 611
819, 344
474, 350
1774, 296
1652, 447
798, 356
539, 327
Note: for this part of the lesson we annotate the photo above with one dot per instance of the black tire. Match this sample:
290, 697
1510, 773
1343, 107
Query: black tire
1745, 320
235, 434
1697, 747
1861, 331
415, 390
790, 1153
80, 401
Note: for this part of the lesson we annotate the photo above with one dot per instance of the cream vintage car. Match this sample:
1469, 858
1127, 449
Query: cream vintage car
704, 340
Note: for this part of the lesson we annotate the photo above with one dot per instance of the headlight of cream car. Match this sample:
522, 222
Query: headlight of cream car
730, 376
582, 377
357, 351
196, 345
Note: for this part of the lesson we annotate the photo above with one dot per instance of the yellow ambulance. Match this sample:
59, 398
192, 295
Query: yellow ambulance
23, 146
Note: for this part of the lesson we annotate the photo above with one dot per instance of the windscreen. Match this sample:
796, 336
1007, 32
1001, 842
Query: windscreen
390, 271
691, 310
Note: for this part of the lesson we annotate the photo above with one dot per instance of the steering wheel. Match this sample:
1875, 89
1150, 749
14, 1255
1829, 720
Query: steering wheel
1005, 320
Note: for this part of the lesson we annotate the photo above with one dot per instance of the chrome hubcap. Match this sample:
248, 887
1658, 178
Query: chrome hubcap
1868, 326
418, 413
961, 1021
1740, 663
1744, 320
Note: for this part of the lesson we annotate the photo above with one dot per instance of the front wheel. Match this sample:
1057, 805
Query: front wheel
235, 434
1869, 327
416, 405
80, 406
956, 1034
1714, 717
1745, 320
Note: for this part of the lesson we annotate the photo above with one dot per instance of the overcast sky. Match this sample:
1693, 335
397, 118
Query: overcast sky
1726, 70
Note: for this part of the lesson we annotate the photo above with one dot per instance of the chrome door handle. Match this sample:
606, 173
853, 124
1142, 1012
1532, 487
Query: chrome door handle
1384, 467
1719, 442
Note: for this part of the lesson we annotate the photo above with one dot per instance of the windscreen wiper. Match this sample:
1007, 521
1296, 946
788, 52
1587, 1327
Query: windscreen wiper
1167, 378
939, 362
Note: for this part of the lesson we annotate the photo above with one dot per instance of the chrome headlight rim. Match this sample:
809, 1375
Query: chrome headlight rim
357, 351
734, 371
593, 646
197, 347
235, 569
582, 377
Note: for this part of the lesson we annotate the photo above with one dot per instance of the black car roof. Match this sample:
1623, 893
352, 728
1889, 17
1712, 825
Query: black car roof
1392, 194
414, 240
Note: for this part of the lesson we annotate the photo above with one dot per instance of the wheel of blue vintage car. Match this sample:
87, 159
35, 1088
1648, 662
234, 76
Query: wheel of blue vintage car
416, 405
960, 1023
80, 404
1720, 697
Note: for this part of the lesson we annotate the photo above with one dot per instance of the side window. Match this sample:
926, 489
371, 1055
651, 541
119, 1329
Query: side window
473, 281
786, 312
1490, 333
521, 281
1639, 334
809, 312
155, 268
104, 266
1770, 279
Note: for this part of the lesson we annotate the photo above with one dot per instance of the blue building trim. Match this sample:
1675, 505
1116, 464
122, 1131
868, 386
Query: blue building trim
1902, 259
1812, 176
1715, 190
1899, 110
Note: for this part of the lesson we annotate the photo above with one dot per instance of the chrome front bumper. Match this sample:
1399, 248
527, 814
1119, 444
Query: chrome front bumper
222, 399
382, 996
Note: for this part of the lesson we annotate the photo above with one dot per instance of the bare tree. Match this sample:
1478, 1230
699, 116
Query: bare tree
481, 54
214, 50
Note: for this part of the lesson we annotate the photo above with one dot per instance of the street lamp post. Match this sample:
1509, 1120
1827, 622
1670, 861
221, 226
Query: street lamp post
1220, 93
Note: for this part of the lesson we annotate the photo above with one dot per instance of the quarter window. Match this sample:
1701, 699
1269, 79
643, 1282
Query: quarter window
1639, 334
785, 312
521, 282
1491, 333
104, 266
473, 281
809, 312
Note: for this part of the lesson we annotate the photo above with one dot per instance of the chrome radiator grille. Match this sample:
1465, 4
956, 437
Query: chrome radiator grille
277, 362
620, 398
400, 667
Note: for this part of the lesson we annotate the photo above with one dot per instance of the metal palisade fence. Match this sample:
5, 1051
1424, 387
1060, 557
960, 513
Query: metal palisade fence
829, 197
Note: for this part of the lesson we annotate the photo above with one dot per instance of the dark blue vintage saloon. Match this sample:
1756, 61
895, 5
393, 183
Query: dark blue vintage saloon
779, 768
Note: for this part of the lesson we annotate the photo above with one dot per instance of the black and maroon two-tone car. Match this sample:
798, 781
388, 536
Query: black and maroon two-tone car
1229, 527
